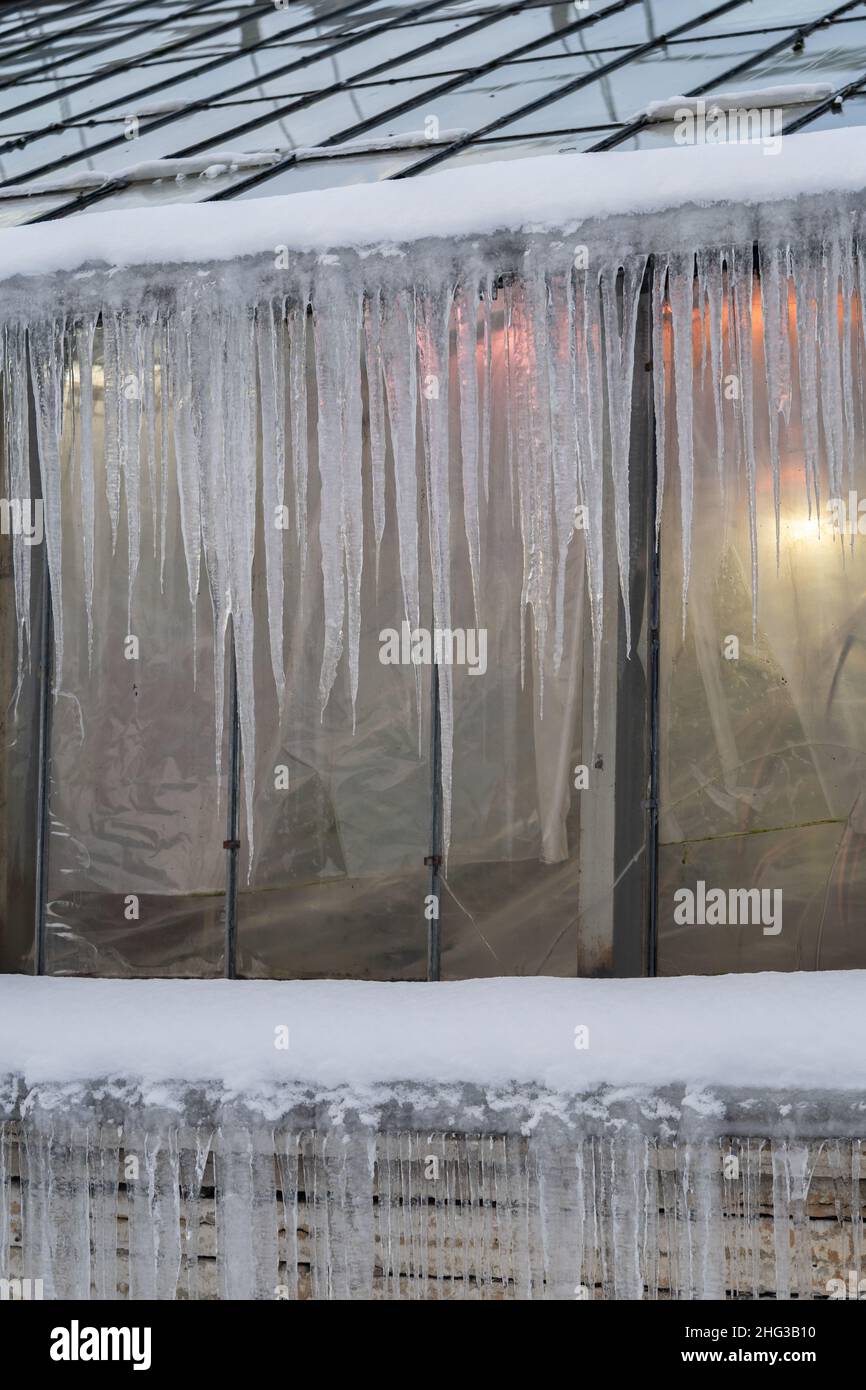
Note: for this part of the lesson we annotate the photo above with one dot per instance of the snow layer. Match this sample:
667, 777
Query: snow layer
782, 1032
146, 171
551, 192
791, 94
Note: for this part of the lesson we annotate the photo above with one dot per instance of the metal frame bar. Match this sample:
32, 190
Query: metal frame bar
654, 699
65, 12
46, 656
792, 38
850, 89
185, 41
434, 858
232, 842
191, 107
585, 80
471, 74
297, 104
79, 55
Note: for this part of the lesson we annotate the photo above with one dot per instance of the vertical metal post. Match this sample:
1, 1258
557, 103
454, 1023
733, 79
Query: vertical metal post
654, 662
42, 822
232, 842
434, 858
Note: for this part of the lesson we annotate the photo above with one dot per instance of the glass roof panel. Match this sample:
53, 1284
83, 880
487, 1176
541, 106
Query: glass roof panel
68, 127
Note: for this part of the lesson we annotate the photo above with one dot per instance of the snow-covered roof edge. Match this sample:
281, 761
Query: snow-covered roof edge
551, 193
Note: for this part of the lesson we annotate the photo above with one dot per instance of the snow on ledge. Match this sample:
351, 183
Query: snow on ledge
549, 193
778, 1032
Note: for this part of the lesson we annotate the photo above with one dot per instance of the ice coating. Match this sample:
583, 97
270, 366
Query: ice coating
676, 1156
249, 371
297, 1210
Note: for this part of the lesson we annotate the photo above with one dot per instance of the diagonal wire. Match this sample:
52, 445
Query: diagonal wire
793, 37
65, 13
418, 99
112, 41
213, 140
176, 46
576, 83
830, 103
181, 112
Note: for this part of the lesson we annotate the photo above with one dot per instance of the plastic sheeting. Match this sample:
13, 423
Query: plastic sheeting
337, 884
763, 748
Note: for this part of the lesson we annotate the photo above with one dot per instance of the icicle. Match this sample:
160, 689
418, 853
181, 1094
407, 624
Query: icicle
376, 408
84, 335
272, 395
399, 351
297, 322
348, 1160
711, 276
336, 328
619, 362
560, 377
112, 417
239, 434
165, 445
433, 308
46, 340
202, 468
740, 274
777, 361
129, 331
103, 1167
589, 396
467, 373
681, 273
17, 446
246, 1213
193, 1162
847, 284
178, 344
660, 275
149, 390
804, 275
832, 412
487, 403
530, 408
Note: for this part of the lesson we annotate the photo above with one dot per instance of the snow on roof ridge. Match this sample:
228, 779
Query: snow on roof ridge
785, 94
492, 1032
549, 193
144, 171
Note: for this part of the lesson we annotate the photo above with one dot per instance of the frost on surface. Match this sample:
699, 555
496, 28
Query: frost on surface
233, 1208
341, 396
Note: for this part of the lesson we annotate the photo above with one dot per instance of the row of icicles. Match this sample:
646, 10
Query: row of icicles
223, 388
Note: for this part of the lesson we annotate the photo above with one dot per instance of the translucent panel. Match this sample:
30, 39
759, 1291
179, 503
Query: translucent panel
136, 868
763, 755
19, 746
332, 173
14, 211
248, 68
343, 807
522, 147
192, 189
343, 818
772, 13
853, 113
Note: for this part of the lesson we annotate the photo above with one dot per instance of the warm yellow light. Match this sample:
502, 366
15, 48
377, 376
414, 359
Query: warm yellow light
805, 529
